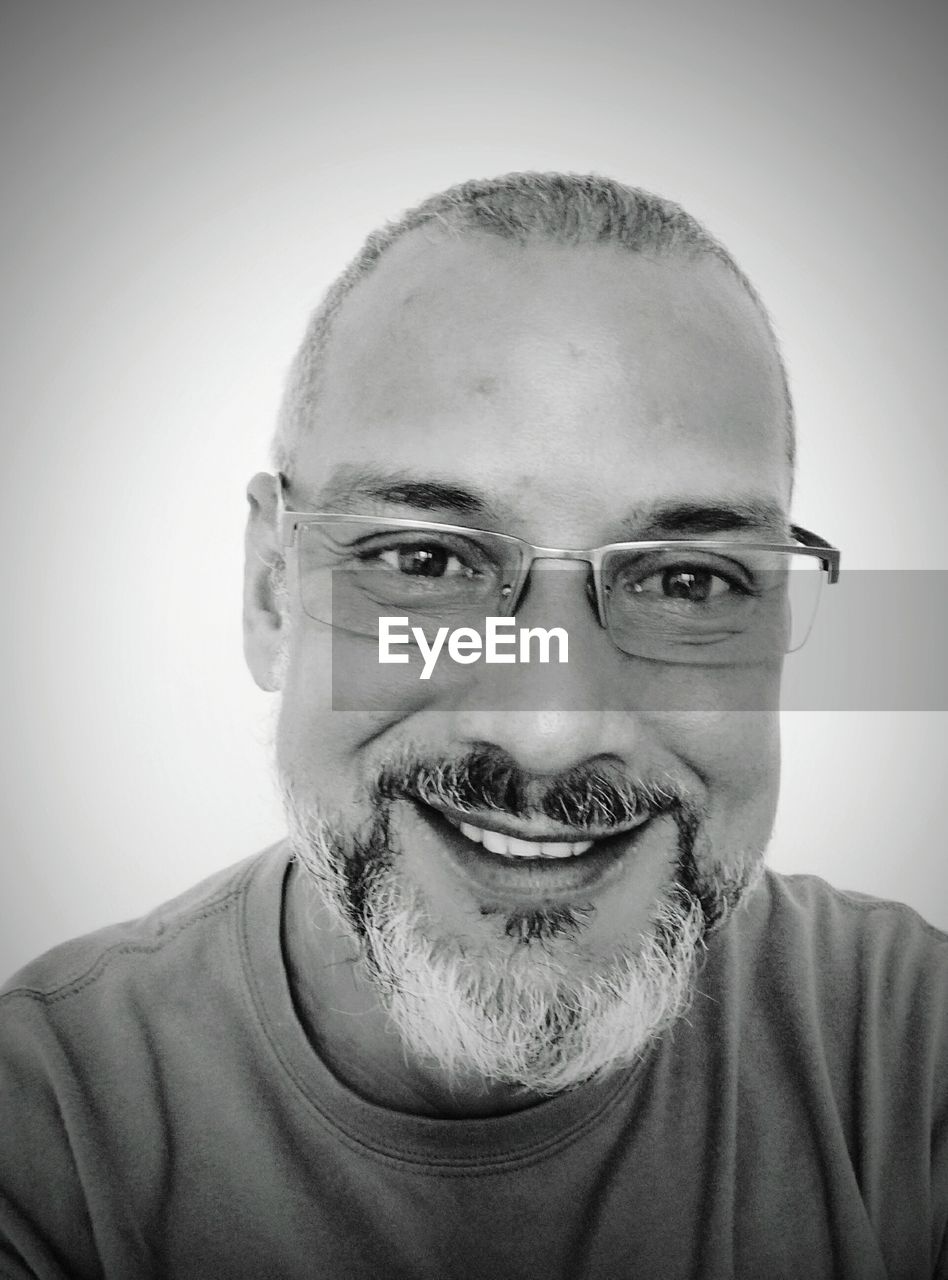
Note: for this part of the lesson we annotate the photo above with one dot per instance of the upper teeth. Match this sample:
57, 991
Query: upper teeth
512, 848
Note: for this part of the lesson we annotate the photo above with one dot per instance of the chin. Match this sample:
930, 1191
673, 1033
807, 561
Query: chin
530, 1001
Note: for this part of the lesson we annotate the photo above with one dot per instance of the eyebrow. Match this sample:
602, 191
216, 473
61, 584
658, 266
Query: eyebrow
701, 519
352, 486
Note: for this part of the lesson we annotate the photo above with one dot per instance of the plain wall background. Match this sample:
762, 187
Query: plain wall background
180, 184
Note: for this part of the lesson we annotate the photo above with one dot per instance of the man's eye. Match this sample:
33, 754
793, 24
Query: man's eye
690, 584
695, 584
426, 561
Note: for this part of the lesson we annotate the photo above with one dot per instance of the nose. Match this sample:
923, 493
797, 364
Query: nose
552, 741
550, 716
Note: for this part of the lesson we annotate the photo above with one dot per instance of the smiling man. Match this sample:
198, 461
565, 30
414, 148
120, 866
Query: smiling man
517, 997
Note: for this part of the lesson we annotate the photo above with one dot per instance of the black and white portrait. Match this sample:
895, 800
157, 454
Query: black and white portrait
475, 691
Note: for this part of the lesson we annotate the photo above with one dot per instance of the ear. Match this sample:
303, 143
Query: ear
266, 615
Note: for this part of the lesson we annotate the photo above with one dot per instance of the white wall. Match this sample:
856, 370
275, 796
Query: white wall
180, 183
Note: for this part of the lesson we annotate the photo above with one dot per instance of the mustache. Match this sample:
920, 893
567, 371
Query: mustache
586, 797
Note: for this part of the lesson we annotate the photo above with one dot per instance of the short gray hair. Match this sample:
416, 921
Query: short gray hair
566, 208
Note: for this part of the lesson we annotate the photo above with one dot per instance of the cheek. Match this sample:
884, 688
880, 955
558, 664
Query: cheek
336, 701
338, 697
310, 740
736, 754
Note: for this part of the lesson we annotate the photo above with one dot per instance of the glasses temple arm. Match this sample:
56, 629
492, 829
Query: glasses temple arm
807, 538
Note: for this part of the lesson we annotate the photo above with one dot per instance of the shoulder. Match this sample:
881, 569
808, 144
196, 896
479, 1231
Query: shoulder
88, 1030
813, 894
854, 974
177, 936
839, 1000
805, 914
98, 1034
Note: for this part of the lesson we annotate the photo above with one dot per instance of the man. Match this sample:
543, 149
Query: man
517, 998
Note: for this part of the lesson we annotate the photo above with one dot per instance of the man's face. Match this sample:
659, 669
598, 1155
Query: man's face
570, 396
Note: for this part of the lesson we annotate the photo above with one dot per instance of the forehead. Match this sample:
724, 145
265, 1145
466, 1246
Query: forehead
580, 379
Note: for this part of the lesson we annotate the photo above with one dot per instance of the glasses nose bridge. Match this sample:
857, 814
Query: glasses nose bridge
559, 553
571, 554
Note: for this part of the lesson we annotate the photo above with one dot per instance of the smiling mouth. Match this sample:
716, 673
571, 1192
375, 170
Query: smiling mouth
518, 861
510, 847
532, 842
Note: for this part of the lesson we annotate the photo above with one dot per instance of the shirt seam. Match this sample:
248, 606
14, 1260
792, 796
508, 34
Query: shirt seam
82, 981
864, 904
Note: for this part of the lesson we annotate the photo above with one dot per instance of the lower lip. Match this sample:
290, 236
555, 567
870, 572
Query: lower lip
533, 878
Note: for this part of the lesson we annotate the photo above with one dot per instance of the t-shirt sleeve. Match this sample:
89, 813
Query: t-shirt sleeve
940, 1135
903, 1081
45, 1232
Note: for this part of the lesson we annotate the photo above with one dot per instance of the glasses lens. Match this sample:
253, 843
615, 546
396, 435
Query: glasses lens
714, 608
351, 574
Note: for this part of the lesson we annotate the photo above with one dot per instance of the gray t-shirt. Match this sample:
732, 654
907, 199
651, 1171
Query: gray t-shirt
162, 1114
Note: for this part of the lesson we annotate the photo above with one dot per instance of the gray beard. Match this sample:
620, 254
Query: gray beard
535, 1013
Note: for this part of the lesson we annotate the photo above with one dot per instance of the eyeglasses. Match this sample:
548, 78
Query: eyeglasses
679, 600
